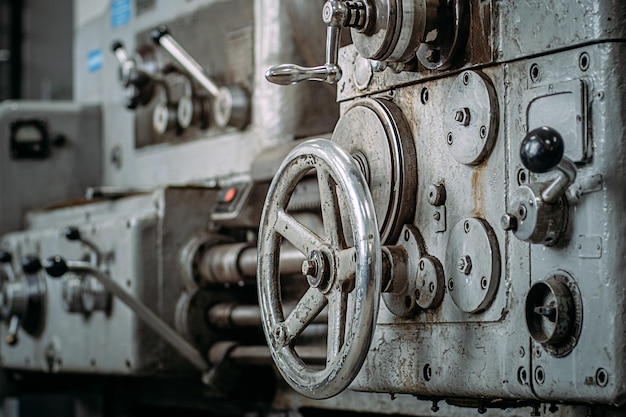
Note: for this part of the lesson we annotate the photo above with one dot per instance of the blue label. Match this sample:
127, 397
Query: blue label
120, 12
95, 60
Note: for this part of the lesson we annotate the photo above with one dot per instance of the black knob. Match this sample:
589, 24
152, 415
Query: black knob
132, 103
5, 257
72, 233
116, 45
542, 149
31, 264
56, 266
159, 32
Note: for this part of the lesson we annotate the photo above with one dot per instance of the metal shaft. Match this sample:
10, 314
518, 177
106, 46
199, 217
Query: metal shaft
143, 313
237, 262
232, 315
191, 65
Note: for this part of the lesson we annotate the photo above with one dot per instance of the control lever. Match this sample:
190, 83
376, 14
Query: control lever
56, 267
73, 234
336, 14
542, 151
538, 211
232, 104
140, 82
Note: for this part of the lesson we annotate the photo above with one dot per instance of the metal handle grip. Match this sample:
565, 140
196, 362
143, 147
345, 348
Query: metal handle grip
232, 104
542, 150
162, 37
287, 74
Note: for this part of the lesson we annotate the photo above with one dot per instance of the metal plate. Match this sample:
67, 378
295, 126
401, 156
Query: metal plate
430, 285
376, 133
470, 118
472, 265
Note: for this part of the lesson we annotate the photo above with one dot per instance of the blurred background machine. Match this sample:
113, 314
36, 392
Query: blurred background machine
255, 207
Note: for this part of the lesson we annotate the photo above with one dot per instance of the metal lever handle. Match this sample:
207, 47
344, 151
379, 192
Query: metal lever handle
132, 76
336, 14
542, 151
57, 266
73, 234
232, 105
330, 72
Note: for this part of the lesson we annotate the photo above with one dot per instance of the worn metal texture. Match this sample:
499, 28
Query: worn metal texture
140, 239
489, 354
506, 31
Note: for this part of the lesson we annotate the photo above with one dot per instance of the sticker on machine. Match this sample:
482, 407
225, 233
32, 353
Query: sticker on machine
95, 60
120, 12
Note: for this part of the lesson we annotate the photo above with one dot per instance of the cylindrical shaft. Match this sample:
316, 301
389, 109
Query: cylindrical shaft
236, 262
232, 315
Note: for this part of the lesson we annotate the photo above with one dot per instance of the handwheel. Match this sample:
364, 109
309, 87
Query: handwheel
346, 277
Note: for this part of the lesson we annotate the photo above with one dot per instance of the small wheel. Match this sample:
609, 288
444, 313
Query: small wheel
341, 276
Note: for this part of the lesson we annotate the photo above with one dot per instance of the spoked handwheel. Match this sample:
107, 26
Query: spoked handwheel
345, 277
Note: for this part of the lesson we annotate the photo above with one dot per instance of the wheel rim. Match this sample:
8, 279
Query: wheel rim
354, 271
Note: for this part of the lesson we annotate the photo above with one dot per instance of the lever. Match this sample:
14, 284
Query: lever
542, 151
336, 14
537, 212
56, 267
73, 234
131, 76
232, 104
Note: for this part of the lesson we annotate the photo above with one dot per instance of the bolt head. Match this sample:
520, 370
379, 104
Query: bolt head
508, 222
433, 55
465, 264
436, 194
462, 116
309, 267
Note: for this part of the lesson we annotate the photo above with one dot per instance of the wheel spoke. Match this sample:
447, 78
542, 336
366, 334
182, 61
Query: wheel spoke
337, 306
307, 309
331, 214
297, 234
346, 266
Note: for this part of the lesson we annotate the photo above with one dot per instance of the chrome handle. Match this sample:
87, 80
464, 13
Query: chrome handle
139, 82
288, 74
232, 104
336, 14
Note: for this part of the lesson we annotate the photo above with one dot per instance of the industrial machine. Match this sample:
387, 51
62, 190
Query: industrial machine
427, 223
